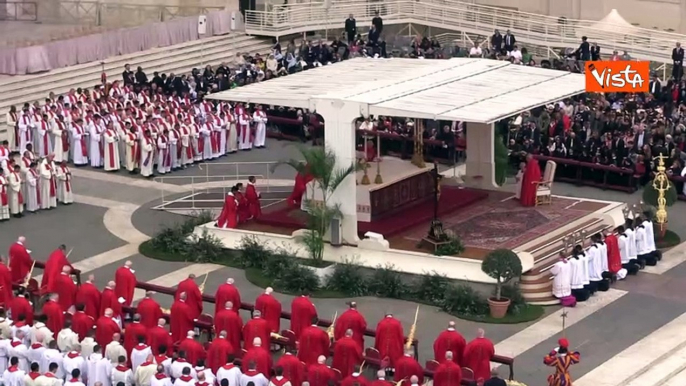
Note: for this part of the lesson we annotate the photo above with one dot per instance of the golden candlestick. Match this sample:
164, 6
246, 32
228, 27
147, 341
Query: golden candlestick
661, 185
365, 176
418, 156
378, 179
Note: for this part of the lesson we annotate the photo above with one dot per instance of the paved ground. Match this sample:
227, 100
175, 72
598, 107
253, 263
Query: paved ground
112, 216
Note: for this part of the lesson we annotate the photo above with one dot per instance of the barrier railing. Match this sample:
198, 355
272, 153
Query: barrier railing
19, 11
123, 14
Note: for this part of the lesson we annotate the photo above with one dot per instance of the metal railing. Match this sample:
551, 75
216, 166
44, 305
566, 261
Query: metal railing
19, 11
528, 28
123, 14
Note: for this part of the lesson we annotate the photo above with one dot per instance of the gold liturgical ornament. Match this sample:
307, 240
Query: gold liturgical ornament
661, 185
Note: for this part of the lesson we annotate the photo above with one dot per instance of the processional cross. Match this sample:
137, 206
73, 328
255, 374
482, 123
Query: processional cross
436, 232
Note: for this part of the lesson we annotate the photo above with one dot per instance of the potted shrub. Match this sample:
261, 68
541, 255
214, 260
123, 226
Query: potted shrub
503, 265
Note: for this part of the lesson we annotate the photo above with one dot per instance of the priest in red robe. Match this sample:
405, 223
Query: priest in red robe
125, 283
158, 336
89, 295
53, 268
110, 300
293, 369
270, 309
351, 319
449, 373
20, 261
614, 259
230, 321
313, 342
406, 366
65, 288
253, 197
449, 340
218, 352
299, 188
302, 313
260, 356
355, 379
193, 349
227, 292
133, 331
6, 293
105, 328
255, 328
193, 295
21, 306
478, 354
243, 208
81, 322
228, 218
319, 374
532, 174
53, 313
181, 318
149, 310
347, 354
390, 338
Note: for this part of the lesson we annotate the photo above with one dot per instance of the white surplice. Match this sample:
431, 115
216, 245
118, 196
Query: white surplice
577, 273
244, 132
112, 161
67, 339
160, 381
61, 144
163, 155
631, 245
13, 376
79, 145
16, 199
18, 349
139, 355
146, 160
131, 151
25, 131
595, 269
51, 355
65, 192
43, 138
604, 264
650, 235
95, 131
4, 199
12, 119
260, 119
73, 360
48, 185
205, 142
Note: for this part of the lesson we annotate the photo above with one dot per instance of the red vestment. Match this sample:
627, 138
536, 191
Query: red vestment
353, 320
320, 374
150, 312
193, 296
194, 350
6, 293
243, 209
55, 316
380, 382
477, 356
390, 339
158, 336
449, 373
313, 342
262, 359
81, 323
66, 289
105, 327
231, 322
181, 320
89, 295
256, 328
132, 331
406, 367
302, 313
532, 174
253, 201
109, 300
351, 380
21, 306
449, 340
614, 259
228, 218
20, 262
271, 311
53, 268
293, 369
370, 152
227, 293
125, 281
346, 355
299, 188
218, 353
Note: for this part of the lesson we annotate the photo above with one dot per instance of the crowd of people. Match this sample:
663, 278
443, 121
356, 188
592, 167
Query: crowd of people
83, 336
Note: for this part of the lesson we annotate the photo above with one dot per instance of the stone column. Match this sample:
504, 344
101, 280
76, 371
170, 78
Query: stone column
480, 163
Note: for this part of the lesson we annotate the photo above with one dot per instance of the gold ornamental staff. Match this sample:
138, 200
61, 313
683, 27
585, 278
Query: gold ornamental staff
330, 330
413, 330
28, 276
201, 287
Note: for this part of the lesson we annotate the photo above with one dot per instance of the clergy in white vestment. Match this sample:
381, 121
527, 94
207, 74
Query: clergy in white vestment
223, 134
4, 350
577, 272
230, 372
160, 378
244, 132
205, 141
195, 140
13, 376
40, 333
145, 372
121, 373
186, 148
74, 379
163, 153
602, 249
147, 149
42, 140
232, 133
254, 376
65, 193
111, 139
25, 165
120, 126
12, 120
79, 143
595, 268
650, 234
35, 353
185, 379
631, 245
5, 323
132, 152
61, 134
25, 126
52, 355
4, 198
16, 198
99, 368
179, 367
20, 328
18, 349
562, 278
74, 361
205, 373
114, 350
260, 119
30, 377
140, 353
51, 377
175, 147
48, 183
88, 344
67, 339
95, 149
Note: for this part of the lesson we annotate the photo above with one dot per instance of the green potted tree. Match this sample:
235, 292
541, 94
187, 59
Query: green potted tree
503, 265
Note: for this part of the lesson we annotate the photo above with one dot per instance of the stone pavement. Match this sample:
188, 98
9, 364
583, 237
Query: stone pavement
620, 331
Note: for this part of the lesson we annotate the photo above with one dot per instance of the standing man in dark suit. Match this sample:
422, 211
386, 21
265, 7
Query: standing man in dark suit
509, 41
377, 22
351, 28
595, 52
678, 58
497, 42
655, 87
128, 77
583, 53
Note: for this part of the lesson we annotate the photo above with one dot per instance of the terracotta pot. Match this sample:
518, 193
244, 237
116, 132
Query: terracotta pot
498, 307
661, 229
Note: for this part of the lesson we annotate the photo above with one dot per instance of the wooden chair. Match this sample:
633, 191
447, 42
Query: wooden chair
431, 365
468, 374
544, 188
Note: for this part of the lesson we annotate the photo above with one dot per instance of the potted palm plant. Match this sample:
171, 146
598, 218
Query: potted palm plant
502, 265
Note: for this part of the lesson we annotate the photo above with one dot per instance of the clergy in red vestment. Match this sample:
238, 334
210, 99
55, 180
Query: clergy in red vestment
389, 338
228, 218
302, 313
293, 369
125, 283
532, 174
253, 198
181, 318
406, 366
614, 259
270, 309
21, 306
255, 328
449, 340
347, 354
65, 288
258, 355
133, 330
449, 373
243, 208
53, 268
278, 379
319, 374
477, 356
109, 299
299, 188
81, 322
6, 293
20, 261
193, 349
351, 319
227, 292
89, 295
355, 378
218, 352
54, 314
158, 336
230, 321
105, 328
149, 310
193, 295
380, 379
314, 342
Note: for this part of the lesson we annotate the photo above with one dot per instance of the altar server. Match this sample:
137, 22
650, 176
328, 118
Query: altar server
643, 245
260, 119
562, 277
631, 243
111, 139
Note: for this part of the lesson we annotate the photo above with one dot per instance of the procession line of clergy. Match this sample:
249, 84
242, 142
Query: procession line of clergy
135, 131
239, 206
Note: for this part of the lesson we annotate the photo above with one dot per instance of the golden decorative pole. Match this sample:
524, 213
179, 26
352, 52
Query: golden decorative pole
378, 179
365, 176
418, 156
661, 185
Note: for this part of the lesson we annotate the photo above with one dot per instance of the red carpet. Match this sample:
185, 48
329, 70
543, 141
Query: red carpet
404, 218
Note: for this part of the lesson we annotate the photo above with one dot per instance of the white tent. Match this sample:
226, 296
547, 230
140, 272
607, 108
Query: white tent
612, 23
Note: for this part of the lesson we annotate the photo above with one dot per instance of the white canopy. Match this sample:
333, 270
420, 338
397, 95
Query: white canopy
612, 23
471, 90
